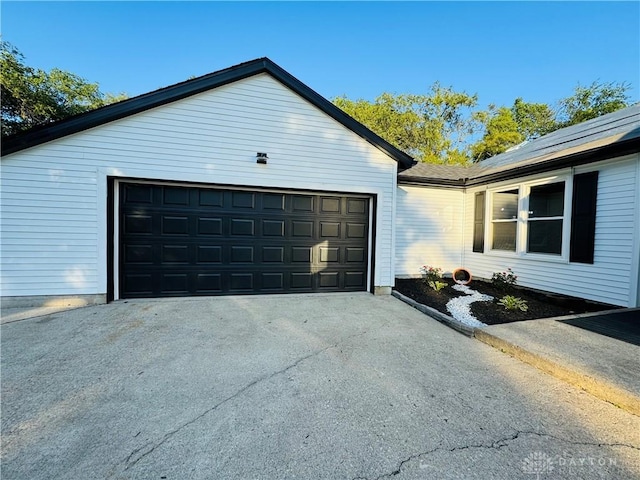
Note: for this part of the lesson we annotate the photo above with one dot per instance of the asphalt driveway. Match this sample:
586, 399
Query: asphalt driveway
339, 386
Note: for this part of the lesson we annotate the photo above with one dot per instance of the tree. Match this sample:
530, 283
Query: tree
527, 121
593, 101
501, 133
431, 128
533, 119
32, 97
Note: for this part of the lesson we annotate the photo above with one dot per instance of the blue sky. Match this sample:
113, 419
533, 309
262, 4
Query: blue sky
500, 50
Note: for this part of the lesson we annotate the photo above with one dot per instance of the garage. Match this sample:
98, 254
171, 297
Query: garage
241, 181
188, 240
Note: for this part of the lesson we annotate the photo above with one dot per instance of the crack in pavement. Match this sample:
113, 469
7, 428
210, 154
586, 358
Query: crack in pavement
497, 444
139, 453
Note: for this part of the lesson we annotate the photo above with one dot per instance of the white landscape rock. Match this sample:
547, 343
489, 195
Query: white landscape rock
460, 307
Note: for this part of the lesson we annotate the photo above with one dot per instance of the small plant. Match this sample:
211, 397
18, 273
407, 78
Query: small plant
436, 285
504, 280
431, 274
514, 303
432, 277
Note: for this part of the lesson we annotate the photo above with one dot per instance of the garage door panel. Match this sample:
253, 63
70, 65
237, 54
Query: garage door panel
138, 284
273, 228
329, 255
356, 205
208, 283
135, 193
329, 230
175, 196
273, 281
241, 282
174, 282
210, 198
177, 241
242, 227
209, 226
273, 201
175, 254
330, 205
354, 279
355, 254
243, 199
302, 229
302, 203
139, 254
329, 279
209, 254
175, 225
301, 255
273, 254
356, 230
138, 224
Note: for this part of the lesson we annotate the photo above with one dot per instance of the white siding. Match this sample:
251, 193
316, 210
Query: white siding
54, 195
429, 229
610, 278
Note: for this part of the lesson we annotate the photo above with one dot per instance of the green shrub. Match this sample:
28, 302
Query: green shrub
437, 286
431, 274
504, 280
432, 277
514, 303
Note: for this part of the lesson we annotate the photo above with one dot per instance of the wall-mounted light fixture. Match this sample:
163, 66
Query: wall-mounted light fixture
261, 158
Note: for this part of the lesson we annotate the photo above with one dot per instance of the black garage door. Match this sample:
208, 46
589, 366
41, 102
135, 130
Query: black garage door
179, 241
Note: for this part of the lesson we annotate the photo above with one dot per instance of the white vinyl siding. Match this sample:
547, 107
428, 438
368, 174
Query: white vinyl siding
429, 229
54, 195
609, 278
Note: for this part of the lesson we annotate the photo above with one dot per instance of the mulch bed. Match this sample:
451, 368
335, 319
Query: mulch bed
540, 305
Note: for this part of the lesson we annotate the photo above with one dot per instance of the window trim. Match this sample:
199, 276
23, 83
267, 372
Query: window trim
522, 220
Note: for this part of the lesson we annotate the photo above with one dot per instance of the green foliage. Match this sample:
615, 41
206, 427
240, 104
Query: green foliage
431, 274
432, 128
533, 119
513, 303
593, 101
432, 277
33, 97
504, 280
438, 127
501, 133
437, 286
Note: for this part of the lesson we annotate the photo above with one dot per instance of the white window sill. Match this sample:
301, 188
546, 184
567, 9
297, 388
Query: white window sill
534, 257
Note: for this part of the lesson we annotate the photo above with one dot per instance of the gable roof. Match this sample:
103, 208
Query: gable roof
131, 106
614, 134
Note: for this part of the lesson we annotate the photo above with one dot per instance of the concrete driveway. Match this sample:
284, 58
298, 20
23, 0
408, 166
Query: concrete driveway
339, 386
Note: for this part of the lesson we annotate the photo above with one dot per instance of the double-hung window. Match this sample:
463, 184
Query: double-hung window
551, 218
529, 218
545, 218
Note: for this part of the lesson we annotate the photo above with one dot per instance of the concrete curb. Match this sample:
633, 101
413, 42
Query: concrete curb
433, 313
598, 387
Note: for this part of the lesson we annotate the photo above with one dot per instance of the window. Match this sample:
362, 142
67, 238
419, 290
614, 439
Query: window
504, 219
555, 217
545, 218
528, 218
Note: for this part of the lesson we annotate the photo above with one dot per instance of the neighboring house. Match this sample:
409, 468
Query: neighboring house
247, 181
168, 194
563, 211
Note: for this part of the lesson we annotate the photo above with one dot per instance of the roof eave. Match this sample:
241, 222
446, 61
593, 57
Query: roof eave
170, 94
431, 182
618, 149
125, 108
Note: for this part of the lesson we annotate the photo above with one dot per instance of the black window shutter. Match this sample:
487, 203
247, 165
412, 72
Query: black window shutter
478, 223
583, 217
